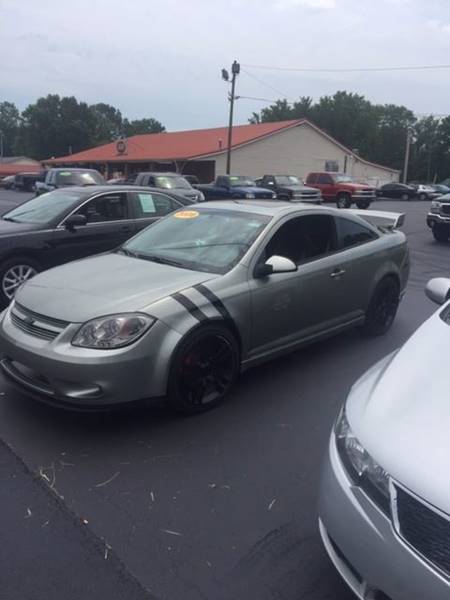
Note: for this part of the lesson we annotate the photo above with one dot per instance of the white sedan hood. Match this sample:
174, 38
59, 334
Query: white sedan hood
400, 412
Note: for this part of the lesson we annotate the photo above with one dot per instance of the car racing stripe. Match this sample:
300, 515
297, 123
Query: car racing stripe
190, 306
215, 301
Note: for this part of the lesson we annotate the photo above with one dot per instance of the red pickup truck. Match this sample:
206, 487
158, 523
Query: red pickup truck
340, 188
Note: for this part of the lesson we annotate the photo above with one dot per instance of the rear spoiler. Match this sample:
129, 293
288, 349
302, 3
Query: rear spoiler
379, 218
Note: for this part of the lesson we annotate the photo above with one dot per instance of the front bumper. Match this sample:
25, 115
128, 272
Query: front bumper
363, 545
435, 218
64, 375
363, 196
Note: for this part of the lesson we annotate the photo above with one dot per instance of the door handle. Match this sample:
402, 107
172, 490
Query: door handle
337, 273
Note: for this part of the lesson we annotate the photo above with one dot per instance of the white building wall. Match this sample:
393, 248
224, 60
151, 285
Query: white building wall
297, 151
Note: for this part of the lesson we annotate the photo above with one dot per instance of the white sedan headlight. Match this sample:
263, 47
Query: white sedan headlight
113, 331
361, 467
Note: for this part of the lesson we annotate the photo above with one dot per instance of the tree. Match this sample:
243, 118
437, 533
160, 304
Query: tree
108, 123
139, 126
9, 126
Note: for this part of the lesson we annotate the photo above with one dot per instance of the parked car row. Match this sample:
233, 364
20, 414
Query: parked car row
401, 191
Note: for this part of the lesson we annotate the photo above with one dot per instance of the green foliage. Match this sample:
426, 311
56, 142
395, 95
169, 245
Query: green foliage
139, 126
377, 132
57, 126
9, 123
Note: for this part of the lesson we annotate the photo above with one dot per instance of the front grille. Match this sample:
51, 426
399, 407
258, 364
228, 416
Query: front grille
445, 209
35, 324
425, 529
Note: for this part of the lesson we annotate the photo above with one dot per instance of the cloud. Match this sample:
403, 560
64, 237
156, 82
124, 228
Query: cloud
314, 4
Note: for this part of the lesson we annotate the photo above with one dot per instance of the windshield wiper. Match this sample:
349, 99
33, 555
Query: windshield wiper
127, 252
162, 261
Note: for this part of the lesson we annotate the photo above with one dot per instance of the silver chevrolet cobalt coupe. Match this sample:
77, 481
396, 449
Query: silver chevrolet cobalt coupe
385, 496
182, 307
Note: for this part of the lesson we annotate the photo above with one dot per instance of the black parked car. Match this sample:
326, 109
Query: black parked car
397, 190
72, 223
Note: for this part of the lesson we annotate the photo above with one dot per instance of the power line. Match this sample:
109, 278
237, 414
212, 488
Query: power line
259, 99
264, 83
352, 70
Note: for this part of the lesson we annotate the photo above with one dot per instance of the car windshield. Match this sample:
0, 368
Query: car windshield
79, 178
44, 208
169, 182
287, 180
342, 179
201, 240
241, 181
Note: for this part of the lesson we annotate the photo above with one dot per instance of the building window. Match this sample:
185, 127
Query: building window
332, 166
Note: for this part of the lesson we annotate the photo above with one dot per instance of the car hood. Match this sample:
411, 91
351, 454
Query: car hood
400, 412
11, 228
298, 188
102, 285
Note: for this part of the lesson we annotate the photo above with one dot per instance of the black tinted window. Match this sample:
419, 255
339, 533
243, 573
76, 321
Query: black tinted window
352, 234
110, 207
303, 238
154, 205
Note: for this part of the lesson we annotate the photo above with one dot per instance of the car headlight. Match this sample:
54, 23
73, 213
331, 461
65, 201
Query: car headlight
249, 195
201, 197
113, 331
273, 195
435, 206
361, 467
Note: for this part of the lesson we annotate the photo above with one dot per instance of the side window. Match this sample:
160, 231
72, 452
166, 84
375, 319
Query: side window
312, 178
323, 178
110, 207
153, 205
303, 238
352, 234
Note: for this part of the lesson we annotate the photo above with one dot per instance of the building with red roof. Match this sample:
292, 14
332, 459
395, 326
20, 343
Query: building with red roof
285, 147
12, 165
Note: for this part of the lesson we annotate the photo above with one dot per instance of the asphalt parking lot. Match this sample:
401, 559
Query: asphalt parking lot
222, 505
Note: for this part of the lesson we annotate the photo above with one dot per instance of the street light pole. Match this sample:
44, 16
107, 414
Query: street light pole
409, 136
235, 69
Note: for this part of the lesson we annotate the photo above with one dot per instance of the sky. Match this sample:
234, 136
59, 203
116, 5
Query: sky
163, 58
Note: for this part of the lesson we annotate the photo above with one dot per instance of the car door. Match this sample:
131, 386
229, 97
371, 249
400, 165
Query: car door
288, 307
326, 185
360, 251
149, 207
110, 222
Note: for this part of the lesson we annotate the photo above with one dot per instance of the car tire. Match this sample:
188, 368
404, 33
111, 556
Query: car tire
363, 204
405, 197
205, 367
343, 201
423, 197
284, 198
441, 233
382, 307
13, 273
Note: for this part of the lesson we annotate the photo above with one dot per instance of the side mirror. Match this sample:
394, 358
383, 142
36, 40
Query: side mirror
75, 221
275, 264
438, 290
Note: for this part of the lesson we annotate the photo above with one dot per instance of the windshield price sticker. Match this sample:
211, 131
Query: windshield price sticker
186, 214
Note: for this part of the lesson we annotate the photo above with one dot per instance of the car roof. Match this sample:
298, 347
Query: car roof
72, 169
90, 190
161, 173
269, 208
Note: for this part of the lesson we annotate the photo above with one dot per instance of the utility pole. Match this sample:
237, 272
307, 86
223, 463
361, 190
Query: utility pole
235, 70
409, 137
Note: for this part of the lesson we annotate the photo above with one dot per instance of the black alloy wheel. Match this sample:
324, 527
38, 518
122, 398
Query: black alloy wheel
441, 233
344, 201
382, 307
205, 367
